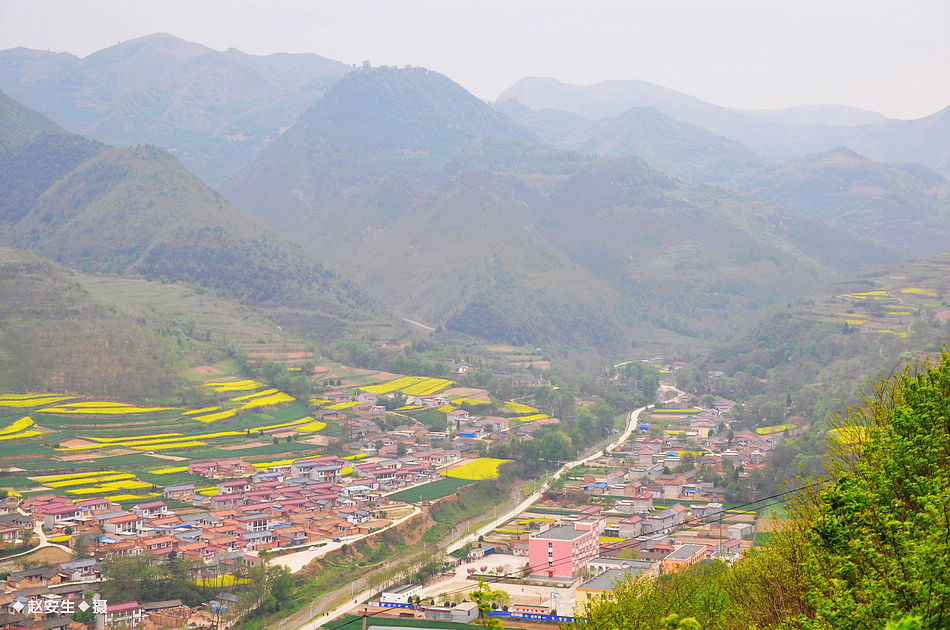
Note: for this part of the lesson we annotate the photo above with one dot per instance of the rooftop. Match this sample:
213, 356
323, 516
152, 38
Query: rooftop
606, 580
561, 532
405, 588
685, 552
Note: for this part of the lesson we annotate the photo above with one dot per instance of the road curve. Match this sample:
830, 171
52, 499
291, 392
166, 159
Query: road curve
632, 422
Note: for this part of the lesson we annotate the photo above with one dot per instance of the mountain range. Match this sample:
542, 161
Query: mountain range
473, 223
776, 135
139, 211
213, 109
616, 216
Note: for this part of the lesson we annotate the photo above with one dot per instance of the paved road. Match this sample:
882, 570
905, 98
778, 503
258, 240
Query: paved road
632, 421
298, 560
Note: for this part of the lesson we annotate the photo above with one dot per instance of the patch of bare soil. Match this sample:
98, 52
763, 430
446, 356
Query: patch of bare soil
541, 365
240, 445
47, 556
206, 370
467, 392
74, 443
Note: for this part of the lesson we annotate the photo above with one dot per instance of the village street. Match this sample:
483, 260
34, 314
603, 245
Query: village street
632, 421
296, 561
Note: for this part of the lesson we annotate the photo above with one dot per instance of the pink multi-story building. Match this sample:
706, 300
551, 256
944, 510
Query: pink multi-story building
563, 552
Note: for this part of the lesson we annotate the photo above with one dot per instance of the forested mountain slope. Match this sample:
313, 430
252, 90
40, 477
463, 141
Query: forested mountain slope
456, 216
139, 211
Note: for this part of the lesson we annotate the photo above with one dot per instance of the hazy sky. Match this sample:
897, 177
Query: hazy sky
891, 56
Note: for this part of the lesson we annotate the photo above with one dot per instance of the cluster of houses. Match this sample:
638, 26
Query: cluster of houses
296, 504
288, 505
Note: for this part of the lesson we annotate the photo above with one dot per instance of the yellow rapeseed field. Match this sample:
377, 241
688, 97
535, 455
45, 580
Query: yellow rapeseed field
234, 386
273, 399
520, 408
477, 469
311, 427
194, 412
469, 401
211, 417
106, 409
81, 482
918, 291
393, 386
265, 392
168, 471
17, 425
286, 424
23, 434
426, 387
30, 400
342, 405
409, 385
534, 416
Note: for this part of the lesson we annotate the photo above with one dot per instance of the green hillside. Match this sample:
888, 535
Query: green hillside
139, 212
375, 124
19, 124
905, 206
55, 337
457, 217
29, 170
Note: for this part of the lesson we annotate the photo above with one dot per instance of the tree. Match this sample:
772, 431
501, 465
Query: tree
866, 549
486, 598
882, 530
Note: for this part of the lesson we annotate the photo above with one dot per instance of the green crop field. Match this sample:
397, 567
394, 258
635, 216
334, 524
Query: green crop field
431, 491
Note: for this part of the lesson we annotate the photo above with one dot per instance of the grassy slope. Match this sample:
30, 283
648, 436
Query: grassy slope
138, 211
56, 337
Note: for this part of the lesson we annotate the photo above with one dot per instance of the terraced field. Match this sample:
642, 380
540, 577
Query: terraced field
890, 305
410, 386
125, 448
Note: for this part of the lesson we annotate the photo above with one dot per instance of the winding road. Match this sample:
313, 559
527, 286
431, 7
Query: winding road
632, 422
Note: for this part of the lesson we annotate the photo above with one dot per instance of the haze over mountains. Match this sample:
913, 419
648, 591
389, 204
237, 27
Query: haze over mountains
138, 210
213, 109
614, 216
452, 214
777, 135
